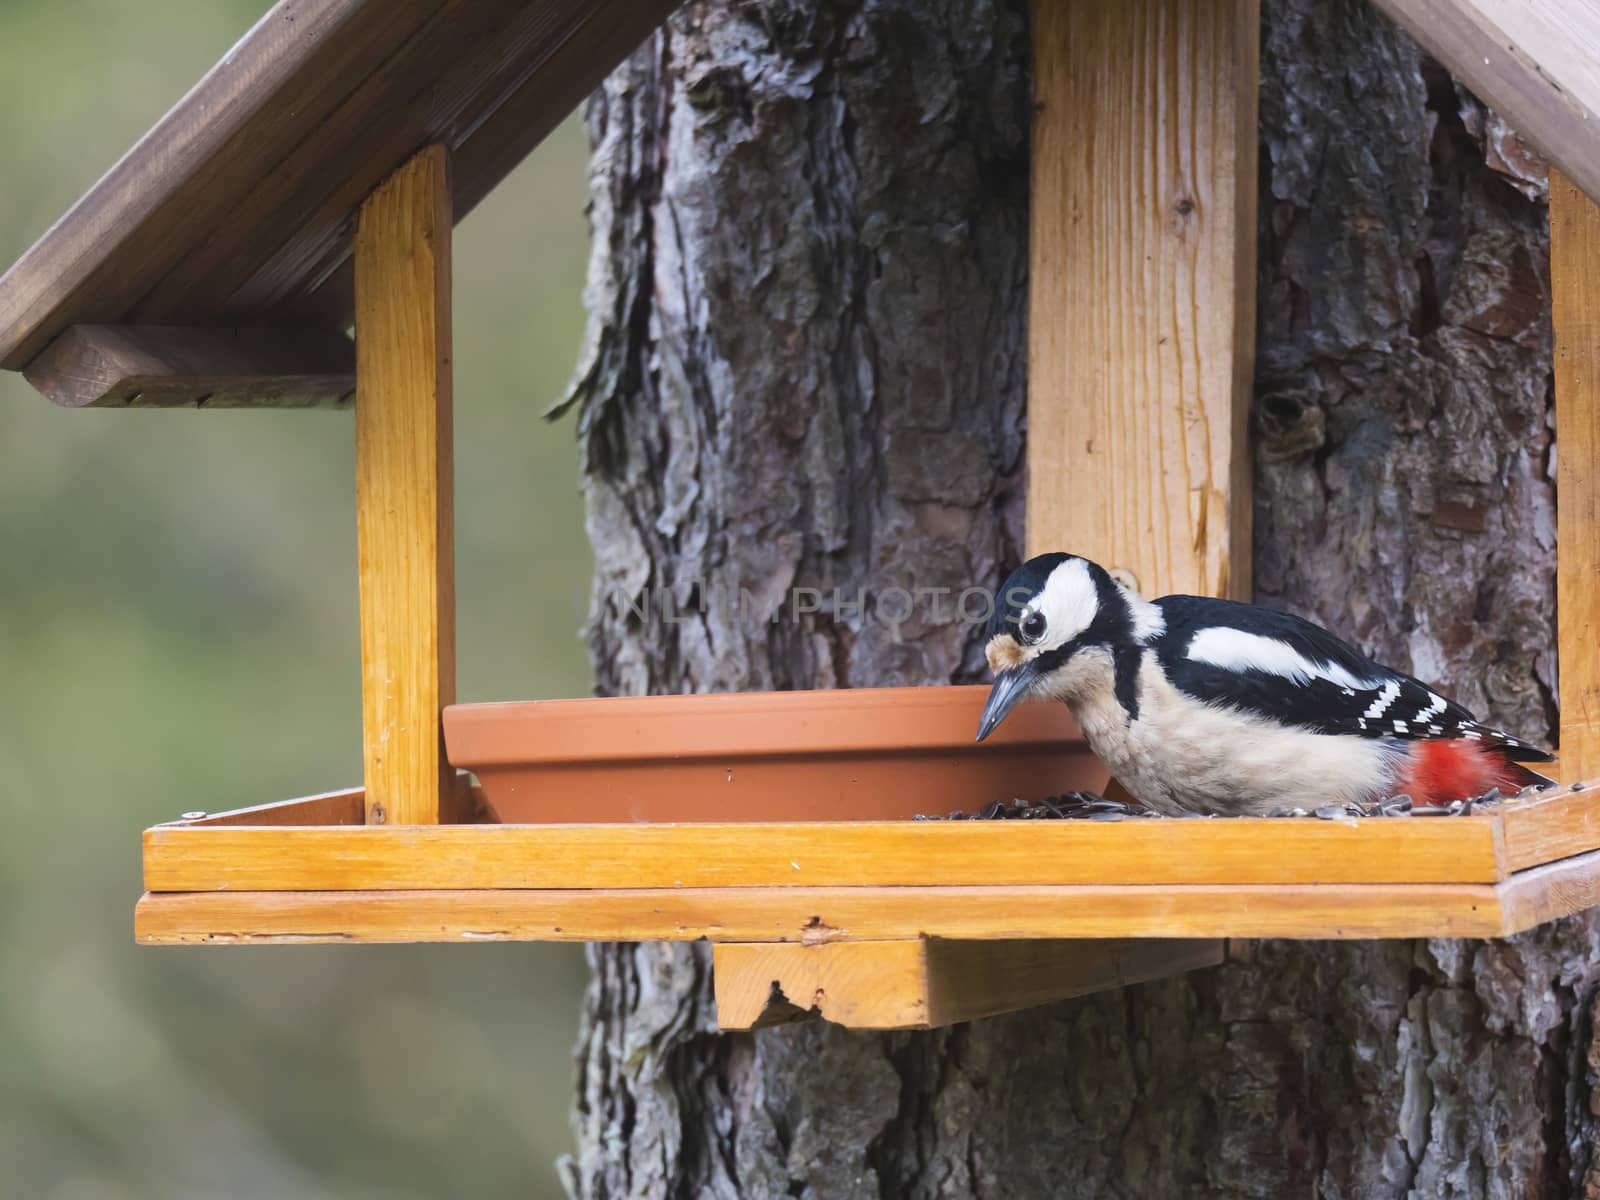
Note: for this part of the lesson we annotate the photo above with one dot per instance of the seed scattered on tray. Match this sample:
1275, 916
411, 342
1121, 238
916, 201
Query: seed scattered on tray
1069, 806
1087, 806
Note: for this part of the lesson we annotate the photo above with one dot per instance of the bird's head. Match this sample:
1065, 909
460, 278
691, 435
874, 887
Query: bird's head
1056, 622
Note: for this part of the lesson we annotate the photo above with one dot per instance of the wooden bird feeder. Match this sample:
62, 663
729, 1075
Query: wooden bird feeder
314, 176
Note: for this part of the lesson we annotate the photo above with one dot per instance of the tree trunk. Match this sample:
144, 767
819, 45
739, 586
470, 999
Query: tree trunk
805, 369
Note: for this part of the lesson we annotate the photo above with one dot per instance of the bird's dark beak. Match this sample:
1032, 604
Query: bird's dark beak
1010, 687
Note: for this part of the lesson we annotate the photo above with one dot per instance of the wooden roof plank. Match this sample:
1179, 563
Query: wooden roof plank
520, 82
238, 206
510, 133
103, 366
195, 165
1538, 65
454, 64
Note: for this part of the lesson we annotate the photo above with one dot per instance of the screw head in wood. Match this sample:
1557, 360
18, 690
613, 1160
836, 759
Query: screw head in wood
1126, 578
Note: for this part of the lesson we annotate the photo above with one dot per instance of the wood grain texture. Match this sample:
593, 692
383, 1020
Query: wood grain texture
1550, 892
861, 985
1141, 322
1575, 315
124, 366
845, 854
972, 979
1566, 824
345, 807
405, 490
928, 983
1288, 1076
239, 124
1538, 64
240, 203
453, 71
815, 915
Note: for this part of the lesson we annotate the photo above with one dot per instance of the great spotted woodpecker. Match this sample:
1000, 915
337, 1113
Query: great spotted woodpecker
1211, 706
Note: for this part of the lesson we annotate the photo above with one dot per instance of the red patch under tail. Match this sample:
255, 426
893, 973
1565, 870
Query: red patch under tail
1441, 771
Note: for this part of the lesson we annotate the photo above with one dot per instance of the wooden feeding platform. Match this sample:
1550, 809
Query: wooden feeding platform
314, 177
877, 924
312, 870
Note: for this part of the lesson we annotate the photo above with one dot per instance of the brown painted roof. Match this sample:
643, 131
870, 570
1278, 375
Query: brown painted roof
238, 207
1538, 65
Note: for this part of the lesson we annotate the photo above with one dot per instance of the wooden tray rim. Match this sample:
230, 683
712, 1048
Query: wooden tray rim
813, 915
319, 843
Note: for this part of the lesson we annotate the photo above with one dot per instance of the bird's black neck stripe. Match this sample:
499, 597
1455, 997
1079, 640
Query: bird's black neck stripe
1126, 659
1111, 628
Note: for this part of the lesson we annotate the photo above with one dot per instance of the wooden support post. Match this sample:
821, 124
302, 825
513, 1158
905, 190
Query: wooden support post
1575, 314
404, 485
1141, 320
926, 983
1142, 325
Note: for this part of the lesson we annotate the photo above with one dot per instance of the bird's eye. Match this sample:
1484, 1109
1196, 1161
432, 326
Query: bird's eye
1033, 627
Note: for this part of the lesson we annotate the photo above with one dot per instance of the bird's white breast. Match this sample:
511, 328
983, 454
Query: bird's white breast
1181, 755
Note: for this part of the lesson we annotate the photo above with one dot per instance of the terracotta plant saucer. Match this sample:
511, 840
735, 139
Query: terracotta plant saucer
862, 754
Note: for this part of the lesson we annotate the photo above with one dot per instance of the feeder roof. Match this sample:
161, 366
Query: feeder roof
239, 206
1538, 65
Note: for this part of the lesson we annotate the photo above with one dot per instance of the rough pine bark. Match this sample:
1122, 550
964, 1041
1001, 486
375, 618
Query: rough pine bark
805, 369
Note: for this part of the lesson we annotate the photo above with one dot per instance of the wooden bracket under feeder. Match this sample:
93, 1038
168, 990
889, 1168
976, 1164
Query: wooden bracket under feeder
925, 983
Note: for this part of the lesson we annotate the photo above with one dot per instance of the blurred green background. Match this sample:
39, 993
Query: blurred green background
178, 631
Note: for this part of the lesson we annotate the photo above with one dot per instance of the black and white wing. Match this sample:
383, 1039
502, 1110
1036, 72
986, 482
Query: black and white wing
1283, 667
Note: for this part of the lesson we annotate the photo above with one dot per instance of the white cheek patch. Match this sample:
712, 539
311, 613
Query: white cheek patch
1068, 601
1236, 650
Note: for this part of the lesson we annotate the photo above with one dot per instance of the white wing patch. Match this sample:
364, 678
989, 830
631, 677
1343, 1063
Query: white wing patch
1435, 706
1236, 650
1389, 694
1149, 622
